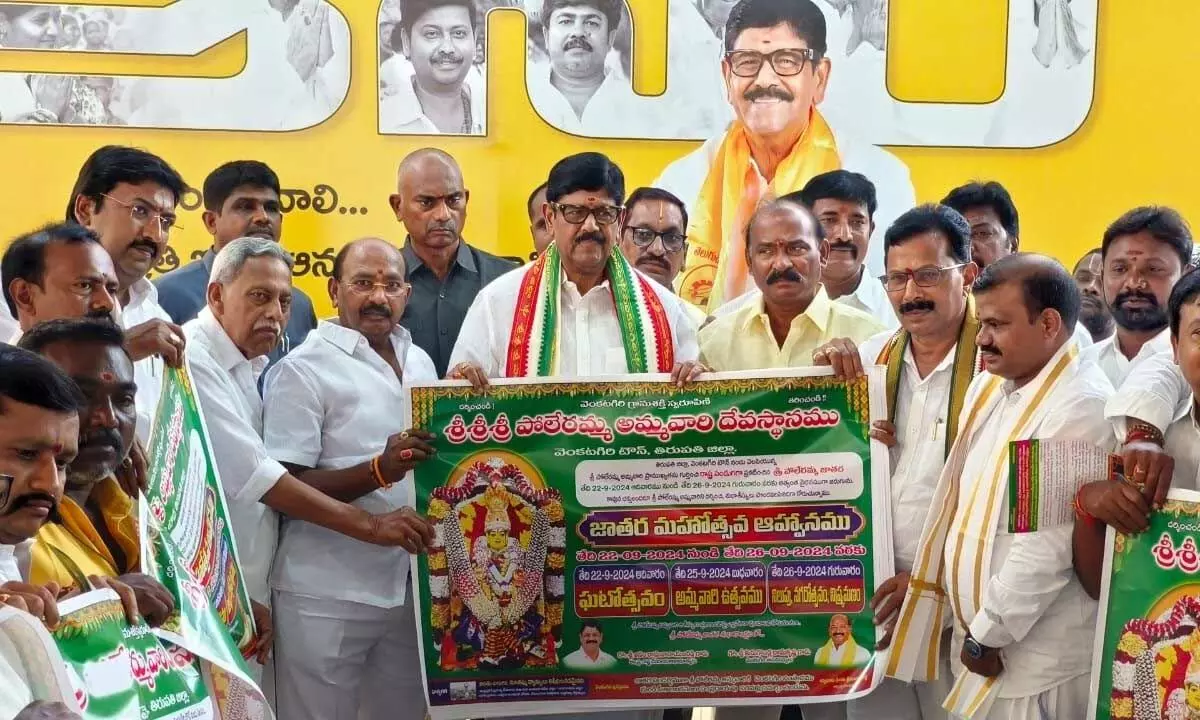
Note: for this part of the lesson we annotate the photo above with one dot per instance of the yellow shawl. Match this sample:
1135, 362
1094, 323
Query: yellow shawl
715, 270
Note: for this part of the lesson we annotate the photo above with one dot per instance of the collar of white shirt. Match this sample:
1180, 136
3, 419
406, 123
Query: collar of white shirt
1014, 393
611, 91
222, 347
141, 293
348, 340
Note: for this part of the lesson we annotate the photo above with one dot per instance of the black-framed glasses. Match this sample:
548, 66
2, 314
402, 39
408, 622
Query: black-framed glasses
784, 61
645, 237
578, 214
927, 276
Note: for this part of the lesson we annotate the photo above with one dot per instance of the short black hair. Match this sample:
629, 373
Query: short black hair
1162, 223
585, 171
412, 10
30, 379
932, 218
990, 194
112, 165
76, 330
611, 9
841, 185
790, 200
594, 624
1045, 283
529, 203
1185, 291
221, 183
644, 194
1086, 255
803, 16
25, 257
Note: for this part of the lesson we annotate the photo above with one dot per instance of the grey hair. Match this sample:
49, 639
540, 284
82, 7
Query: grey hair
233, 257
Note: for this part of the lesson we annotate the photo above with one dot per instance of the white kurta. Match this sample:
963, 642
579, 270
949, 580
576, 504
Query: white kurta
148, 373
227, 386
589, 336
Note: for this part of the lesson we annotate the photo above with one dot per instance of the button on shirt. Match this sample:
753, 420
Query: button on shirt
148, 373
922, 409
227, 386
589, 336
742, 340
332, 404
436, 308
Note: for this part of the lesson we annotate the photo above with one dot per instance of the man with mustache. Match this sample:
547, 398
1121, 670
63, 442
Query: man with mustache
438, 37
786, 252
241, 199
1144, 254
347, 643
58, 271
445, 272
1022, 621
39, 436
1093, 313
249, 295
128, 197
776, 74
589, 656
931, 361
653, 239
577, 93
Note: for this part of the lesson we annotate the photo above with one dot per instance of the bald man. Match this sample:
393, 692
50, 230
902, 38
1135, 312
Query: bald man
445, 272
346, 643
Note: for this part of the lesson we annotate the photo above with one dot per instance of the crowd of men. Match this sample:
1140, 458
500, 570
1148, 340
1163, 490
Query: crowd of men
983, 344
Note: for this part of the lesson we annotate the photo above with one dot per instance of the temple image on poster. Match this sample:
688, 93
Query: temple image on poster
496, 567
1156, 668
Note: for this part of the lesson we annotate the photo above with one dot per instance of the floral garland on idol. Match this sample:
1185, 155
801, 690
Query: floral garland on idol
496, 570
1155, 665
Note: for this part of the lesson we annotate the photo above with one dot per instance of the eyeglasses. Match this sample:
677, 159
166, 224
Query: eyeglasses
142, 215
645, 237
392, 288
927, 276
578, 214
784, 61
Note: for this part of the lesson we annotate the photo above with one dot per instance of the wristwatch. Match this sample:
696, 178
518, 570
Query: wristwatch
974, 650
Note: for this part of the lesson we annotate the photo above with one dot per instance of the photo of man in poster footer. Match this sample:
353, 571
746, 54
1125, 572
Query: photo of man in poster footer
776, 74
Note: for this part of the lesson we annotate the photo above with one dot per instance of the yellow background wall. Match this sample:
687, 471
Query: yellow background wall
1137, 146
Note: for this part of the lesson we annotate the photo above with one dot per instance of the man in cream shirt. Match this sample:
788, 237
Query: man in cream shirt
1144, 252
1022, 621
346, 643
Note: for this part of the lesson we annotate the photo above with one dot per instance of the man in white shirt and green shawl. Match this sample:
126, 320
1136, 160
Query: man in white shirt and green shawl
993, 563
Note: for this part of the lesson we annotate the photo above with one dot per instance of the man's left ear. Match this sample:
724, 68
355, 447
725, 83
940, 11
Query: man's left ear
1052, 323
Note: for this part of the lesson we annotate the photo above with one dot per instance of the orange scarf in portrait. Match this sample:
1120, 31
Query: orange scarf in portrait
715, 271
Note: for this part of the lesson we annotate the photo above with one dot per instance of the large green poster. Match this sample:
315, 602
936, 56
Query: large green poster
619, 543
1148, 639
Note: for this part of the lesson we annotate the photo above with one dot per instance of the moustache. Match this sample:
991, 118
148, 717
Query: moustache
28, 499
847, 246
781, 275
990, 349
272, 327
444, 56
148, 245
591, 236
380, 311
101, 314
1125, 297
577, 41
102, 437
916, 306
445, 226
771, 91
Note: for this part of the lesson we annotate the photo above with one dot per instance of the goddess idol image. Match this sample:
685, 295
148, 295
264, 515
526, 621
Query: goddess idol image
1156, 669
496, 568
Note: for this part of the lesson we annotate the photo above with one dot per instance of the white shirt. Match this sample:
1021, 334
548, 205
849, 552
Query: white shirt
610, 112
1033, 606
1182, 443
685, 177
1107, 354
1154, 389
332, 403
922, 411
1081, 337
400, 111
143, 307
227, 386
870, 297
579, 660
589, 336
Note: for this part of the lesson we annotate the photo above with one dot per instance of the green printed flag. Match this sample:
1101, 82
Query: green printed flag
1147, 648
620, 542
123, 671
188, 546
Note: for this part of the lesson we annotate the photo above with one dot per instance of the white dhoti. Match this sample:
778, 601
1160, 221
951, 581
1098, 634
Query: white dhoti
1068, 701
341, 660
